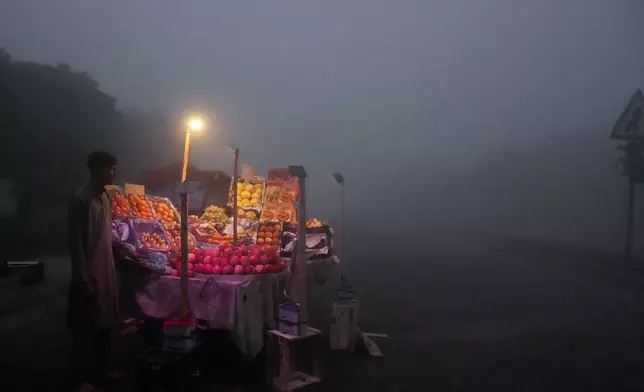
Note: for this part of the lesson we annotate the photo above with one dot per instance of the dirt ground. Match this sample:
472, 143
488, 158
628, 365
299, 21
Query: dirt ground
497, 314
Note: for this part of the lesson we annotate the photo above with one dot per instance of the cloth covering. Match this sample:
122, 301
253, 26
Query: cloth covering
244, 305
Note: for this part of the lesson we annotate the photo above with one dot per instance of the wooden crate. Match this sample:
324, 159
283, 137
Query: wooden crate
344, 327
293, 362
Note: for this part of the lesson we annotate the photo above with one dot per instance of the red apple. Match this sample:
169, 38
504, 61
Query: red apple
239, 270
198, 252
207, 260
191, 274
229, 253
207, 269
264, 259
191, 257
234, 260
216, 260
190, 266
249, 270
227, 269
238, 253
259, 268
245, 260
216, 269
174, 272
254, 259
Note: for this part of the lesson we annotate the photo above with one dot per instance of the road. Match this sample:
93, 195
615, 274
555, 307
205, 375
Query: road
464, 312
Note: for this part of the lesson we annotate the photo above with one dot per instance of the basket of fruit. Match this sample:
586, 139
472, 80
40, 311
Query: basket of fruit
214, 215
269, 233
150, 235
173, 233
250, 194
140, 207
120, 205
163, 209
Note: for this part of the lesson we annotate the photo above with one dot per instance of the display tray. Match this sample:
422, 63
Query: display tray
150, 235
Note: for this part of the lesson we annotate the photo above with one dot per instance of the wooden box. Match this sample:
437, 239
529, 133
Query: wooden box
344, 326
294, 362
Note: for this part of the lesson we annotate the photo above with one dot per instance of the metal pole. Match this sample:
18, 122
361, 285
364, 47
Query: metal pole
184, 252
343, 236
235, 179
629, 220
300, 262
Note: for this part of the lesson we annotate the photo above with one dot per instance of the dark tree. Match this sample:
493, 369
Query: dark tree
50, 118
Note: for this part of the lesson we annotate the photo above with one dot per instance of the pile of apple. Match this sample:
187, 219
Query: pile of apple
229, 260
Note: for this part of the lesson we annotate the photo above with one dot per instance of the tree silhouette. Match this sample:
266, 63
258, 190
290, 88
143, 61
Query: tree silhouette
50, 118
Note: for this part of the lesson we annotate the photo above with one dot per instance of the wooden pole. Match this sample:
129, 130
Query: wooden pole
185, 305
234, 185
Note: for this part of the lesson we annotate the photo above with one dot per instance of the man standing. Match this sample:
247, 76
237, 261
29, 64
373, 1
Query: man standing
93, 293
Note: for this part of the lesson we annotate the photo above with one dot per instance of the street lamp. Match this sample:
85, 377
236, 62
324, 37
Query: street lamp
340, 180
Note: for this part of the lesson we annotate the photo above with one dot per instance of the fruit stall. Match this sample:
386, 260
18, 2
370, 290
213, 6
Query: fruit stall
234, 285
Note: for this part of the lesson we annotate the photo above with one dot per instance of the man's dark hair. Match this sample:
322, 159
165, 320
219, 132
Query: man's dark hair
98, 159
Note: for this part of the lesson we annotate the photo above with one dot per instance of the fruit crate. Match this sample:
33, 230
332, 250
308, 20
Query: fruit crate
269, 233
163, 209
140, 207
258, 190
120, 204
154, 229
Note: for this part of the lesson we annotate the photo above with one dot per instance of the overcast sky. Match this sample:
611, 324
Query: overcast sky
370, 87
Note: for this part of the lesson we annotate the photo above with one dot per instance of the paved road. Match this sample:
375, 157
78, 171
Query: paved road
472, 313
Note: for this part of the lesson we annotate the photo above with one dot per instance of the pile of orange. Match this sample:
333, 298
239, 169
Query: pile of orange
269, 234
220, 239
120, 206
164, 212
140, 207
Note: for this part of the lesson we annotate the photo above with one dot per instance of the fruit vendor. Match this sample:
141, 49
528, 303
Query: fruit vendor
92, 311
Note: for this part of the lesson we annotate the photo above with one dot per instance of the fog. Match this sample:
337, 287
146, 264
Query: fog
487, 115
